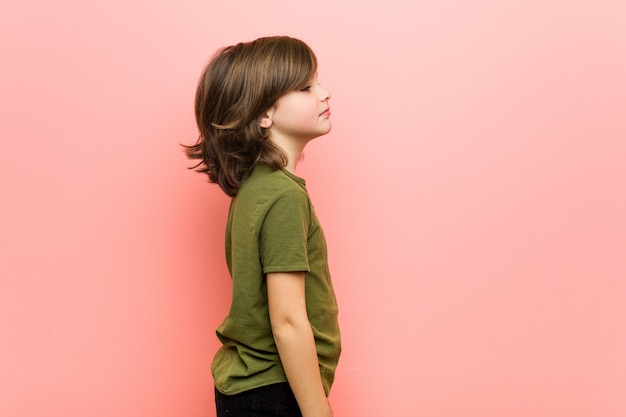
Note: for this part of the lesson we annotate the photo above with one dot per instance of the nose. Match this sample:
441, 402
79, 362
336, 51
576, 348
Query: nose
324, 94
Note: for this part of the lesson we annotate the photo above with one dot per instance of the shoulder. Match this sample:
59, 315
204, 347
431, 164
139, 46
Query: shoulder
267, 185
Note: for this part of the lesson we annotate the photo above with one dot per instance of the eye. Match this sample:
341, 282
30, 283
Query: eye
305, 89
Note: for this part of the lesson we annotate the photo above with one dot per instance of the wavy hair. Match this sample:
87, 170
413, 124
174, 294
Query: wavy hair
238, 85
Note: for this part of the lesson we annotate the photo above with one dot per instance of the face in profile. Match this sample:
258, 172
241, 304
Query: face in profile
303, 114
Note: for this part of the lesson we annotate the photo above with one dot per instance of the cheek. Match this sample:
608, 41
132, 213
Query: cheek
308, 112
300, 113
304, 117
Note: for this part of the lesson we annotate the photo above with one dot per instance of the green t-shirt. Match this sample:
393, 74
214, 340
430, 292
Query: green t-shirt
272, 227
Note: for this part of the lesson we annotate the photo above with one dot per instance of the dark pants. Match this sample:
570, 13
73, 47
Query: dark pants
274, 400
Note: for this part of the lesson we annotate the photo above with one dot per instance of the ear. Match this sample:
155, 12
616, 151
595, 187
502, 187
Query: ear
267, 119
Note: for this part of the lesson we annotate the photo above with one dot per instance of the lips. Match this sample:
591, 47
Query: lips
325, 112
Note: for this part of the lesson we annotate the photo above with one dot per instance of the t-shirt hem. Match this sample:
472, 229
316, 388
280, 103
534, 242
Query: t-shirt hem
259, 384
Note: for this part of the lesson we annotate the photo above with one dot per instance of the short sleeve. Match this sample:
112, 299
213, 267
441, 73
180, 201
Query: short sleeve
284, 233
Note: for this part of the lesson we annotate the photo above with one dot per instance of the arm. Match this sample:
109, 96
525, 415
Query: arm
295, 342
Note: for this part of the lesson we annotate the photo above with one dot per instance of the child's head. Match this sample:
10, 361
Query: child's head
236, 88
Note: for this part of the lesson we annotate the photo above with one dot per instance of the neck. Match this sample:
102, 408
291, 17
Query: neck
292, 148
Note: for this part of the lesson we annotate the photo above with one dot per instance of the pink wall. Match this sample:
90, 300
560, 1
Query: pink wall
472, 191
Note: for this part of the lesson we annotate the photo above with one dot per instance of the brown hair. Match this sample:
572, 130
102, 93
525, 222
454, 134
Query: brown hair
236, 88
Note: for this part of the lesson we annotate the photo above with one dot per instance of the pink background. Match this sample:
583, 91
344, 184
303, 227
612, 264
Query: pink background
472, 193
